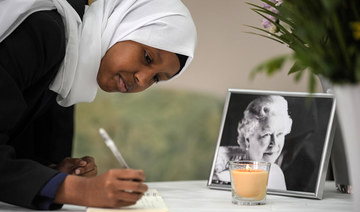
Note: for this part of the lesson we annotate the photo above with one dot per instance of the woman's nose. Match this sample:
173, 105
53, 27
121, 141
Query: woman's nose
144, 78
272, 140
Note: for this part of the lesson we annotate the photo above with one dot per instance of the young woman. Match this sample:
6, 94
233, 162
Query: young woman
56, 53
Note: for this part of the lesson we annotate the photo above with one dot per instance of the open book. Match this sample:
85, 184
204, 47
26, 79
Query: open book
150, 202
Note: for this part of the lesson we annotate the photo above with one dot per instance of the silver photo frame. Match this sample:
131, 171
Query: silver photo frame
293, 130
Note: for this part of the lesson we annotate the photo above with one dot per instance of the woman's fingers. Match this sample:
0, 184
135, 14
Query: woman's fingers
128, 174
84, 166
85, 171
68, 165
130, 186
130, 197
89, 169
88, 160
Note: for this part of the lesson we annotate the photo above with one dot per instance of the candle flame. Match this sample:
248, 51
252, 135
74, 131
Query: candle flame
248, 168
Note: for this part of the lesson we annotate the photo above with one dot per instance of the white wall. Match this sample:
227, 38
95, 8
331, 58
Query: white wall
225, 53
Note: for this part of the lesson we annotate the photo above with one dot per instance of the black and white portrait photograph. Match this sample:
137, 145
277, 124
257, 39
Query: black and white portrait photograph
292, 131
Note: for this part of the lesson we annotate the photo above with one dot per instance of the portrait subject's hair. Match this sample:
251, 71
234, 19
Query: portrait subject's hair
257, 114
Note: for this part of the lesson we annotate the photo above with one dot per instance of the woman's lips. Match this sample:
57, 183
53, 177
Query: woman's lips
270, 153
121, 85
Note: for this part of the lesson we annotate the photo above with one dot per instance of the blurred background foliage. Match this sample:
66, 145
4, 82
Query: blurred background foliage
170, 134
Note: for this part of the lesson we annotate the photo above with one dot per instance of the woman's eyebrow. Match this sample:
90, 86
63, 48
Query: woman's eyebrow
158, 54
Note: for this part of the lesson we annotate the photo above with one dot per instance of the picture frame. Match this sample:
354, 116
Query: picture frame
303, 136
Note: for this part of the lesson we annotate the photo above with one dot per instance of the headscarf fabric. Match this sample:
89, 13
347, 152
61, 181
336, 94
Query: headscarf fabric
162, 24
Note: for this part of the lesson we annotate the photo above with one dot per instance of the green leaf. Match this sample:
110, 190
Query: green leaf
268, 36
270, 66
284, 31
297, 67
298, 76
312, 82
275, 15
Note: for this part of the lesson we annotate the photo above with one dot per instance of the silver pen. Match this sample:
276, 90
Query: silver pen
110, 143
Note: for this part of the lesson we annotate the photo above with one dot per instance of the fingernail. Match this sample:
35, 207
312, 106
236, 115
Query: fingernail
83, 163
77, 171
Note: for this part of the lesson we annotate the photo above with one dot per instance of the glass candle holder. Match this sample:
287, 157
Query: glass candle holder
249, 181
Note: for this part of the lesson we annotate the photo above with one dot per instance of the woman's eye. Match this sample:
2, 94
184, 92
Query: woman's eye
147, 57
265, 135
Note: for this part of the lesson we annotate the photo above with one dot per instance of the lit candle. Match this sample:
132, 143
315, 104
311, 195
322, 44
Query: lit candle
250, 183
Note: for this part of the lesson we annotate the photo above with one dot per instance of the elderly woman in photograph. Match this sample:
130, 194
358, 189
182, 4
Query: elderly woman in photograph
261, 136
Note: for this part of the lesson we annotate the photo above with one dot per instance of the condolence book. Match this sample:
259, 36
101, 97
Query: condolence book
150, 202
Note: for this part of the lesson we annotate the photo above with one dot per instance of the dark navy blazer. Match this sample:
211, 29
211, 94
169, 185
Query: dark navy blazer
34, 130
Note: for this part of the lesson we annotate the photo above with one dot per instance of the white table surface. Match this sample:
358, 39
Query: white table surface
191, 196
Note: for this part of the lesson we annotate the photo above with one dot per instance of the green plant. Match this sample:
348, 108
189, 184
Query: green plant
323, 34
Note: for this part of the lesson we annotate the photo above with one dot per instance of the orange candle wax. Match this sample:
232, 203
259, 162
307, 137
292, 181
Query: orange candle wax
250, 183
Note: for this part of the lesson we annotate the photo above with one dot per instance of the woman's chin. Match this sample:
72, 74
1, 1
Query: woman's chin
269, 158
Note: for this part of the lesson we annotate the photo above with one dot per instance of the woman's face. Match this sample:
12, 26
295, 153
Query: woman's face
268, 140
129, 67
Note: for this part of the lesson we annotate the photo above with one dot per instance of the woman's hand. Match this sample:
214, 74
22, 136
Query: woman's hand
114, 188
84, 166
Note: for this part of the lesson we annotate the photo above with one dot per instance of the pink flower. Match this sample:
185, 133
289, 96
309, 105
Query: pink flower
276, 2
266, 21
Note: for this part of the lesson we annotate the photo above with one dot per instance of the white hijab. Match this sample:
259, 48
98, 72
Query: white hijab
162, 24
